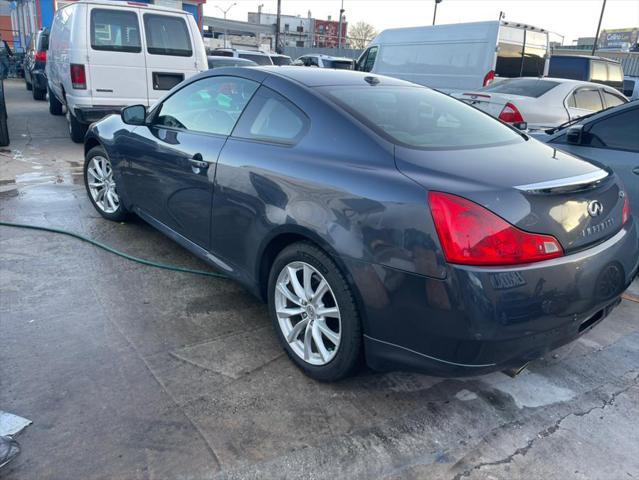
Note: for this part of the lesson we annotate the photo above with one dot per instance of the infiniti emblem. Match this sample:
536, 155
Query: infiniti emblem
595, 208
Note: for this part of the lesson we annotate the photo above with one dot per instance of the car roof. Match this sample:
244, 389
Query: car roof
317, 77
130, 4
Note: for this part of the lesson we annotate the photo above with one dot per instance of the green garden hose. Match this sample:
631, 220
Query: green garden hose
113, 250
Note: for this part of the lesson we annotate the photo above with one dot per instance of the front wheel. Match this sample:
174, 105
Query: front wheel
100, 184
314, 313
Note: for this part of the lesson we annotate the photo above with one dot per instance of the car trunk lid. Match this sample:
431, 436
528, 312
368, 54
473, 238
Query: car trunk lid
530, 185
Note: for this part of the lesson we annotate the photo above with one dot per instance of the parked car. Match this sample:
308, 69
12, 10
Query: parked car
608, 138
587, 68
460, 56
404, 238
540, 103
324, 61
104, 55
35, 61
631, 87
279, 59
216, 61
4, 130
259, 57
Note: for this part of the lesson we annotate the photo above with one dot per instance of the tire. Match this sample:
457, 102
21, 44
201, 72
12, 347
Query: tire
29, 85
39, 94
342, 359
55, 106
4, 131
98, 154
77, 129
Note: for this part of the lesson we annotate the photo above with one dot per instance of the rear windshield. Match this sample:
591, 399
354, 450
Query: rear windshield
417, 117
259, 59
281, 60
628, 87
115, 31
167, 35
338, 64
43, 42
569, 67
519, 86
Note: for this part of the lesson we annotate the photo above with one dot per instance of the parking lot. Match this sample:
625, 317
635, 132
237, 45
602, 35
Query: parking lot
132, 372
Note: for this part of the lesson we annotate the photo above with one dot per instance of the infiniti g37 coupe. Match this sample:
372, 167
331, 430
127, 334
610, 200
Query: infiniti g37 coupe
380, 220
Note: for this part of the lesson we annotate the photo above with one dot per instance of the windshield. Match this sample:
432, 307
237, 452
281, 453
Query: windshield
421, 118
525, 87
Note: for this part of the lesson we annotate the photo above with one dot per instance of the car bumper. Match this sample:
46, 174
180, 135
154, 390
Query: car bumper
93, 114
481, 319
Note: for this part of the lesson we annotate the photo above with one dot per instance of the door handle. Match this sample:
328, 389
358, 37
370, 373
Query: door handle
635, 170
198, 162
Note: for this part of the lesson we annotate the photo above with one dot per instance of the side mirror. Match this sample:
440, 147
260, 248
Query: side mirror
134, 115
574, 134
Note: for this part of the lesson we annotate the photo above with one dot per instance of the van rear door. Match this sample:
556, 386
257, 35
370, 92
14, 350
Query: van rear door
170, 53
116, 66
521, 52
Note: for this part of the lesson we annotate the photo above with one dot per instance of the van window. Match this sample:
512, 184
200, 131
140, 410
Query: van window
521, 53
210, 105
628, 87
115, 30
43, 41
167, 35
534, 54
575, 68
615, 74
598, 72
586, 99
370, 60
272, 118
418, 117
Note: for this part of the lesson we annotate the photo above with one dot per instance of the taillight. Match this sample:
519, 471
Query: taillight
40, 56
625, 212
472, 235
490, 76
510, 114
78, 76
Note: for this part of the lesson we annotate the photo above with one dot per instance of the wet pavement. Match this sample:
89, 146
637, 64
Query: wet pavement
130, 372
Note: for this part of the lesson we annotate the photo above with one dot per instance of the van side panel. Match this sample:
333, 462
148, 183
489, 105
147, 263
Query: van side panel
444, 57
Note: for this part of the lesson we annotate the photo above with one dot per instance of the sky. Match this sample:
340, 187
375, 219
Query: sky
570, 18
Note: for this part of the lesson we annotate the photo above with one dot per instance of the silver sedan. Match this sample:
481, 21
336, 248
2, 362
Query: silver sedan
539, 103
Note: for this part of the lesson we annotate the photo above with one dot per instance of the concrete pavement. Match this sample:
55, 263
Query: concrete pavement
130, 372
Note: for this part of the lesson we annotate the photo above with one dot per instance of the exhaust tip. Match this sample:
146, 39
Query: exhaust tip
513, 372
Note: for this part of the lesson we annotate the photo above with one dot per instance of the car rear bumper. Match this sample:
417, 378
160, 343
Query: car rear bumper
482, 319
93, 114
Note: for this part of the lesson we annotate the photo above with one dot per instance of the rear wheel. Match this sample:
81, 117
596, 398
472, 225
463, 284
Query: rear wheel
77, 129
55, 106
314, 313
100, 184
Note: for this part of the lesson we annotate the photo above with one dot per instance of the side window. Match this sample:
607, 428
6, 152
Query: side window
611, 99
370, 60
616, 131
211, 105
115, 31
587, 99
167, 35
272, 118
312, 62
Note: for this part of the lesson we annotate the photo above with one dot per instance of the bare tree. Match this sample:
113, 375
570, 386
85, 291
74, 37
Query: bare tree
360, 34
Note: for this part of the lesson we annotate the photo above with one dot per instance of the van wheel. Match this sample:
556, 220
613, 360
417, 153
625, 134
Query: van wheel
29, 85
55, 106
77, 129
314, 313
39, 94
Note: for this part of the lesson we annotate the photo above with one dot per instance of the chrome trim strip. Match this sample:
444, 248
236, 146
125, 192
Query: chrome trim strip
584, 179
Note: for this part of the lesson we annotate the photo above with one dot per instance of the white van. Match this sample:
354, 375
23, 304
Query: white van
104, 55
458, 56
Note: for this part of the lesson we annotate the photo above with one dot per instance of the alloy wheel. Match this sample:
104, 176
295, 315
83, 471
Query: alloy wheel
307, 313
102, 185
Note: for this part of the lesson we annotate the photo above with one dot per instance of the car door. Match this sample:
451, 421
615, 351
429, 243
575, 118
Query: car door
170, 53
583, 101
613, 141
170, 163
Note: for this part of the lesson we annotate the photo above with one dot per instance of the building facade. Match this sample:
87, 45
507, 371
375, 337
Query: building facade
327, 33
295, 31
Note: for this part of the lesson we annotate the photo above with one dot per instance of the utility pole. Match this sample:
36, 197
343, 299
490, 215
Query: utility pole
225, 12
435, 12
339, 33
594, 44
277, 27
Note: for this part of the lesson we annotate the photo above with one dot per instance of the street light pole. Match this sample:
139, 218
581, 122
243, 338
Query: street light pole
339, 33
594, 44
277, 26
435, 12
225, 12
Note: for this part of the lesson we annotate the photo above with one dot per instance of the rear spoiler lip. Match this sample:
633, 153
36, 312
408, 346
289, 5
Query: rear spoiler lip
577, 182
